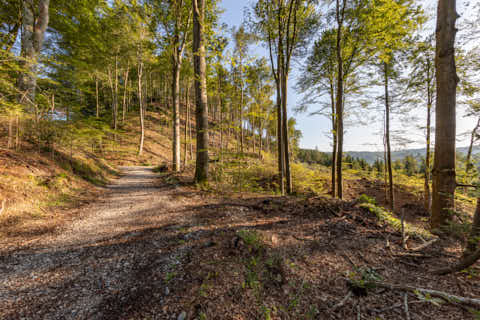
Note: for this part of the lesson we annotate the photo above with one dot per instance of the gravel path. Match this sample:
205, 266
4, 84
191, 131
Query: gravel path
105, 264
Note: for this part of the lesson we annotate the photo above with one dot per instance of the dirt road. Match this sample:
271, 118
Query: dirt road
113, 259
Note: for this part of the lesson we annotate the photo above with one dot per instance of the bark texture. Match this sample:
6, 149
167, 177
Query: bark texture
340, 14
445, 123
201, 112
34, 25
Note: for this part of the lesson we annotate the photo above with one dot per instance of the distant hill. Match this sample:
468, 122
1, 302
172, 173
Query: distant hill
371, 156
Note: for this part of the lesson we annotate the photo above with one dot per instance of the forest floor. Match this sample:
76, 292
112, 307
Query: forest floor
153, 246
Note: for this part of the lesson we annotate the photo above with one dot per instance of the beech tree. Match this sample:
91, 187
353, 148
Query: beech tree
34, 24
285, 26
176, 17
421, 86
444, 176
201, 113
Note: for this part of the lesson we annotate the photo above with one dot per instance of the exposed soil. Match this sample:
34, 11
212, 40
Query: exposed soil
157, 248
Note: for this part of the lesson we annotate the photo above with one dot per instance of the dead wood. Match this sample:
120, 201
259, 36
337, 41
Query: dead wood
450, 298
465, 263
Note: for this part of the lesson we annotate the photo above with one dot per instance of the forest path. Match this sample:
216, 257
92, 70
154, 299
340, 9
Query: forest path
117, 256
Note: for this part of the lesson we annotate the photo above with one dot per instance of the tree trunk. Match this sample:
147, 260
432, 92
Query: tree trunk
285, 133
334, 140
115, 97
176, 112
124, 107
445, 123
33, 31
97, 97
187, 121
339, 16
201, 169
391, 199
428, 196
140, 102
10, 132
241, 111
473, 138
281, 157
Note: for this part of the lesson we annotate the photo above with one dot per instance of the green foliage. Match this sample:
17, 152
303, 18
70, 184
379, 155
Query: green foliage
366, 199
252, 238
389, 218
364, 278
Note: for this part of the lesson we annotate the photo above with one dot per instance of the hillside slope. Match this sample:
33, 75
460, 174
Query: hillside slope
40, 187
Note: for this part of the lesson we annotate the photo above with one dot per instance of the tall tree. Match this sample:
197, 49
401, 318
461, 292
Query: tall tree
421, 86
286, 26
201, 112
176, 19
391, 23
242, 40
445, 122
34, 24
318, 82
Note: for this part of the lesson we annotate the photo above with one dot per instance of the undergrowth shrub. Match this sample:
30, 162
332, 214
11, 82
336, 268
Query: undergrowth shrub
366, 199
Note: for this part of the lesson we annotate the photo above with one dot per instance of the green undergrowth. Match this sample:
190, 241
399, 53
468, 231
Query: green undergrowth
389, 218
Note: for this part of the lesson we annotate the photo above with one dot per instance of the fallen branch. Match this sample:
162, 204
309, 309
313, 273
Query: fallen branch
462, 265
410, 254
405, 306
423, 246
434, 293
398, 305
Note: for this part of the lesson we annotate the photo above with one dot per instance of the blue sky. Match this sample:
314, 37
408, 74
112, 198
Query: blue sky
316, 128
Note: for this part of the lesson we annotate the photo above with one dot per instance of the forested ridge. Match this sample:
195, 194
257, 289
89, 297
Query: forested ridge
152, 162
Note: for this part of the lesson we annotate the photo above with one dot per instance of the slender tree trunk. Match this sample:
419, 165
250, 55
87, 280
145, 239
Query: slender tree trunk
176, 113
444, 176
115, 97
334, 139
221, 129
97, 97
125, 90
17, 132
201, 169
340, 16
187, 121
286, 143
10, 132
140, 101
428, 195
387, 137
241, 111
281, 157
473, 138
